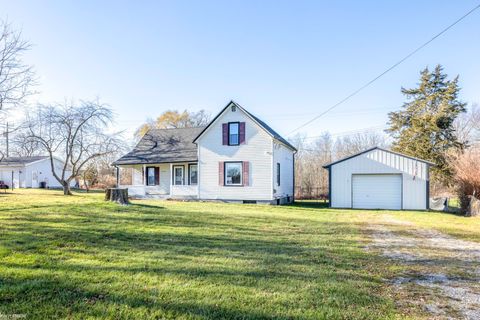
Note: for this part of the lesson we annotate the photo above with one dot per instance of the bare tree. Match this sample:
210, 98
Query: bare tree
174, 119
16, 77
311, 179
351, 144
75, 133
466, 167
467, 126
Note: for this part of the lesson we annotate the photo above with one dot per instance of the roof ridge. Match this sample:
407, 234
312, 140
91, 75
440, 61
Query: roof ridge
177, 128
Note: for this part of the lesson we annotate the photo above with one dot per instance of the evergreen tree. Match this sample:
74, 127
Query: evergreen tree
424, 128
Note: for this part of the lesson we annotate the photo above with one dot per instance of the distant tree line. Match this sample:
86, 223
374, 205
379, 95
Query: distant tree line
311, 179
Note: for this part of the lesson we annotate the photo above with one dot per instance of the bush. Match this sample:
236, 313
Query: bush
467, 176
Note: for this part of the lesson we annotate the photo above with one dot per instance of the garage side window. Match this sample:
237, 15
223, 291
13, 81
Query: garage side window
278, 174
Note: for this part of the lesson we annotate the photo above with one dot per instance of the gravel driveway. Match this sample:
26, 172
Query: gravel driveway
444, 271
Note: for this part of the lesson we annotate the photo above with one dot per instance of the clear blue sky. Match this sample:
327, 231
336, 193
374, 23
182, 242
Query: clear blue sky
285, 61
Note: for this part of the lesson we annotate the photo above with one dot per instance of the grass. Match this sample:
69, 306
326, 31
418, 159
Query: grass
79, 257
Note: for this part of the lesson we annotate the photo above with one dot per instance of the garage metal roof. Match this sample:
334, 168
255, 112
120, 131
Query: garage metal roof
377, 148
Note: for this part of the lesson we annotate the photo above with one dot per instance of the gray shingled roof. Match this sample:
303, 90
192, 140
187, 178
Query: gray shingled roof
164, 146
20, 161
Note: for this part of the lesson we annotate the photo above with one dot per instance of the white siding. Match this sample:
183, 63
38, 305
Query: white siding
414, 177
6, 175
45, 174
23, 174
284, 156
257, 150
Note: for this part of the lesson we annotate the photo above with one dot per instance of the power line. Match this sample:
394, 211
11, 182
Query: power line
387, 70
350, 132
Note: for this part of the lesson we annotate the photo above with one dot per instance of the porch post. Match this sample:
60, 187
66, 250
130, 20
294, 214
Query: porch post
172, 176
117, 175
144, 176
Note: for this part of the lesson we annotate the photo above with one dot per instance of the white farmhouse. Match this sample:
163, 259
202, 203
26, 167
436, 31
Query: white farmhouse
379, 179
29, 172
237, 158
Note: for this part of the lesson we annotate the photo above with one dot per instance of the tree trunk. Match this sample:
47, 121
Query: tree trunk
474, 207
66, 189
117, 195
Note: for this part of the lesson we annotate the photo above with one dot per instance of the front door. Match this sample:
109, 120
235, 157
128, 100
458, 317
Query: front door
165, 179
178, 177
34, 179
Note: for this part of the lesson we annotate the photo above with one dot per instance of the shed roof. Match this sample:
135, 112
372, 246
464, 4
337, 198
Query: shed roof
376, 148
164, 146
20, 161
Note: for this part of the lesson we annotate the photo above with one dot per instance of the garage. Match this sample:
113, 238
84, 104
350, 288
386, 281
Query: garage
379, 178
377, 191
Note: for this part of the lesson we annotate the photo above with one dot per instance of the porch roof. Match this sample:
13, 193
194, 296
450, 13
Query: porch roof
164, 146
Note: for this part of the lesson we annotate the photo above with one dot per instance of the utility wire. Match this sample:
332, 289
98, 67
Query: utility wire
386, 71
348, 133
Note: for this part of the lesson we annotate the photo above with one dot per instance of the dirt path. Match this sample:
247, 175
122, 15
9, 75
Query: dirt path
441, 273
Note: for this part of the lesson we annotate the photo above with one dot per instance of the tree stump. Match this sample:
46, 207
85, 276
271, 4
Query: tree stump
117, 195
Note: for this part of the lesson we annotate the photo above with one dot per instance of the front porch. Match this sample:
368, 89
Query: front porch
160, 181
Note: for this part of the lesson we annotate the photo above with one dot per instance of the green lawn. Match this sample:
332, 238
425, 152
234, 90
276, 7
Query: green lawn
79, 257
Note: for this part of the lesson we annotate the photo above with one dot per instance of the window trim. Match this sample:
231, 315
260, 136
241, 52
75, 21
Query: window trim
183, 175
238, 134
225, 174
154, 178
189, 174
278, 174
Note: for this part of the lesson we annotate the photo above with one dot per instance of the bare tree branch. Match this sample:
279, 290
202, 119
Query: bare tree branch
75, 133
16, 77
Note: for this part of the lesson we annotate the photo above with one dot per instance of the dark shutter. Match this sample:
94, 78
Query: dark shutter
225, 134
242, 132
157, 175
246, 173
221, 180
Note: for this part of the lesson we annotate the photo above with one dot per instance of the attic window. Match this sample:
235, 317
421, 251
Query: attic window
234, 108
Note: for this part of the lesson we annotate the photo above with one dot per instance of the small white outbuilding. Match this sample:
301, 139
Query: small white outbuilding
379, 179
29, 172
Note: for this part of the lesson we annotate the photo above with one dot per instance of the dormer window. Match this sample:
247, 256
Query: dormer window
233, 133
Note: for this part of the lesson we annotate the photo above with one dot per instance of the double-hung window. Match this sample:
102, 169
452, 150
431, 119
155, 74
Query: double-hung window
178, 175
150, 176
233, 133
233, 174
193, 174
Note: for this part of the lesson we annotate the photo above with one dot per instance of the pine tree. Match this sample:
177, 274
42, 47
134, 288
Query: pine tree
424, 128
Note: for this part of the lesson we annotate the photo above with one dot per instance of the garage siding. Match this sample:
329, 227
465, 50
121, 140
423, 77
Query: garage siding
377, 161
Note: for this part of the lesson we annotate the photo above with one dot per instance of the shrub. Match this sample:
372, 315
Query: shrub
467, 176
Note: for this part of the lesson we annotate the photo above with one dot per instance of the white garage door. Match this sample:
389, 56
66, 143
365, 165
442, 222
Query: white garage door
377, 191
